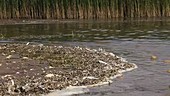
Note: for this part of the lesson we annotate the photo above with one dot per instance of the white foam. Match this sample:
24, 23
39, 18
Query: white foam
102, 62
69, 91
90, 77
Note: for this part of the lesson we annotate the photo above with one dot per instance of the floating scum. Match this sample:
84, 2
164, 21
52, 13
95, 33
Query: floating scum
29, 69
83, 9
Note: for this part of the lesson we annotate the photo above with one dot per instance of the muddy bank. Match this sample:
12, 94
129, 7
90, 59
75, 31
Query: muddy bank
54, 21
26, 21
29, 69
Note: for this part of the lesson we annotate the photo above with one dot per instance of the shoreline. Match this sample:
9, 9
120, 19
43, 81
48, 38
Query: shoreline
54, 21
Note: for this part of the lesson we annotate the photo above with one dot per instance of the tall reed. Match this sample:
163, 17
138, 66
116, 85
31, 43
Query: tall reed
83, 9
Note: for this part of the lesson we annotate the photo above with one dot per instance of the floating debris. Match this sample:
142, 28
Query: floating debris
27, 43
102, 62
47, 68
9, 57
6, 76
31, 69
50, 67
90, 77
12, 56
49, 75
26, 58
10, 86
153, 57
17, 72
167, 61
13, 51
168, 71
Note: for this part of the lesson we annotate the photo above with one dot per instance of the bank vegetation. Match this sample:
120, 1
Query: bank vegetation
83, 9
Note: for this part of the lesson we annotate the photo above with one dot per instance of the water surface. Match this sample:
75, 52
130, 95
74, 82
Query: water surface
136, 41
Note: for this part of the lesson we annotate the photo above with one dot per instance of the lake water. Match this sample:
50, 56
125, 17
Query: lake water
136, 41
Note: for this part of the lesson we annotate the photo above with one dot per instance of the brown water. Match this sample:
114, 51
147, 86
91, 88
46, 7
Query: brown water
136, 41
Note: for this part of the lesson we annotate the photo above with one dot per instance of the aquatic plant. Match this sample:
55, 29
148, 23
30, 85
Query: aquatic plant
83, 9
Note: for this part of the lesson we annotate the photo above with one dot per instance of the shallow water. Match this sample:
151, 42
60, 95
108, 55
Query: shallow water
135, 41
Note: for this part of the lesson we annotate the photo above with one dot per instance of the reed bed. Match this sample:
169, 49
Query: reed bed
83, 9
